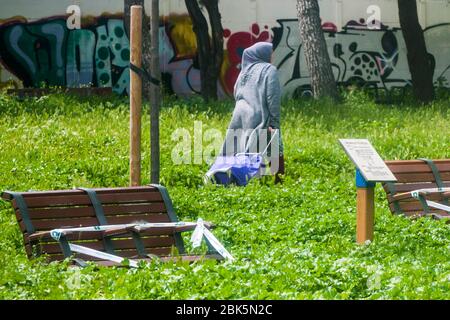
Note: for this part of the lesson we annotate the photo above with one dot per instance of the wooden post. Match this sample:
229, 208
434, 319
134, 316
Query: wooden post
135, 96
156, 96
365, 209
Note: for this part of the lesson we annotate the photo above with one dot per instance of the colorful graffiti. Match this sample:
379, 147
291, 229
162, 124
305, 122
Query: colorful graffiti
236, 44
359, 56
180, 73
179, 53
46, 53
178, 47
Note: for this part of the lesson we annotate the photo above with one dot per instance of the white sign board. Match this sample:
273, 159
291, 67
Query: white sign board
367, 160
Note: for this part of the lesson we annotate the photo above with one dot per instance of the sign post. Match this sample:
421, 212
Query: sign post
370, 169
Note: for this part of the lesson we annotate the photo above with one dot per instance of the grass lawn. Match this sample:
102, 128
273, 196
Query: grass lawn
295, 241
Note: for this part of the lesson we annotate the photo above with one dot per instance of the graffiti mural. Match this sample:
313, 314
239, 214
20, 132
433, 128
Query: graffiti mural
46, 53
178, 55
359, 56
362, 57
178, 52
236, 43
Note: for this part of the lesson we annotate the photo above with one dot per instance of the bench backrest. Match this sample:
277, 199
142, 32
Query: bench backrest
73, 208
413, 175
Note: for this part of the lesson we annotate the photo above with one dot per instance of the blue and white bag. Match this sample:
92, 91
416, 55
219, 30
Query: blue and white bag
238, 169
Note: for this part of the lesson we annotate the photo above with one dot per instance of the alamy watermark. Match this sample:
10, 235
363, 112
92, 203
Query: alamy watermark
208, 146
74, 20
374, 20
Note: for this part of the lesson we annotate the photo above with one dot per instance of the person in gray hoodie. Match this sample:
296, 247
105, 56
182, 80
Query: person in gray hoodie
258, 102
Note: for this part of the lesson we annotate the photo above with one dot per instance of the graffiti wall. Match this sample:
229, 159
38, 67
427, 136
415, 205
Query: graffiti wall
40, 50
359, 56
46, 53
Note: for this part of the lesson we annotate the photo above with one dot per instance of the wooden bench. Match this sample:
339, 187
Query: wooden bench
414, 175
39, 212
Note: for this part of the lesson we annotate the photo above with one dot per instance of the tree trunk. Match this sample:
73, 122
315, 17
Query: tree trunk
146, 39
419, 61
215, 20
210, 52
316, 52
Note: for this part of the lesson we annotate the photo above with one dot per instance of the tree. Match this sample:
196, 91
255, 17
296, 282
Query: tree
210, 49
316, 52
420, 62
146, 39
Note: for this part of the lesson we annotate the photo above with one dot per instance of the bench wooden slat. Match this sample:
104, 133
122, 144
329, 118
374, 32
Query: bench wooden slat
418, 168
74, 192
124, 254
125, 244
187, 258
162, 255
393, 163
441, 214
86, 236
83, 199
406, 197
410, 206
418, 211
420, 177
43, 225
407, 187
119, 245
88, 211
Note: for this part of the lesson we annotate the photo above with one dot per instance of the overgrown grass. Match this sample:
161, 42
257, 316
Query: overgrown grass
295, 241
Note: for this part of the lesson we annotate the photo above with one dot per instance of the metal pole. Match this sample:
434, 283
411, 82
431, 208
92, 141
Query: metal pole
135, 96
156, 96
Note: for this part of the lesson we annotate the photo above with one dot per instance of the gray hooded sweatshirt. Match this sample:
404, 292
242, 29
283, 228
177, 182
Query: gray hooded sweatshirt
258, 97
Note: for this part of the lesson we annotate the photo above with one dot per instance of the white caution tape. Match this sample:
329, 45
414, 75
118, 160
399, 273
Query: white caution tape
438, 206
57, 233
100, 255
417, 194
200, 232
217, 245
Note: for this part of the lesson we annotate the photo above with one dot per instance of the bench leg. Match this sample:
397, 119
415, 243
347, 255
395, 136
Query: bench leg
365, 212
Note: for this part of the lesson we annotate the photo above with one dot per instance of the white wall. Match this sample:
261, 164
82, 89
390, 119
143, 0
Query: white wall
237, 13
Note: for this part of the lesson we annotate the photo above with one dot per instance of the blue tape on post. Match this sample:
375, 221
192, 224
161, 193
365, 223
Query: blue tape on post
361, 181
